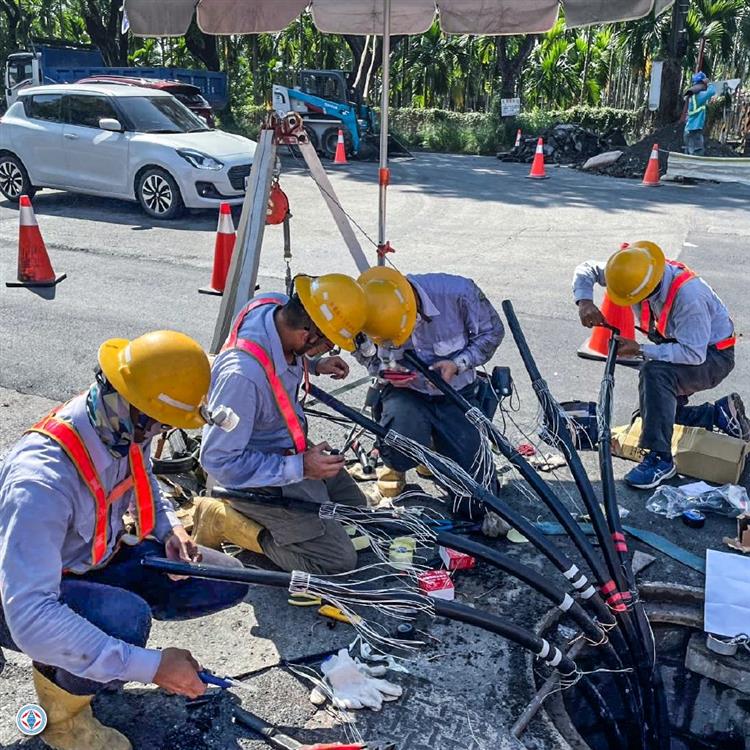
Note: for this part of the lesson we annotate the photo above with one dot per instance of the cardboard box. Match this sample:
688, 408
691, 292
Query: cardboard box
742, 542
698, 453
438, 584
455, 560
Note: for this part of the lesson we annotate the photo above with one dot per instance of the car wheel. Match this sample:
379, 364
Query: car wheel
14, 179
331, 139
158, 194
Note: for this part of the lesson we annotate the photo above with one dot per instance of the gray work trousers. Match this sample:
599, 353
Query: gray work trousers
693, 140
664, 388
298, 539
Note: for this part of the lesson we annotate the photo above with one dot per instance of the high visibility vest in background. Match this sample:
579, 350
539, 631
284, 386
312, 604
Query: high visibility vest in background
67, 437
660, 326
280, 395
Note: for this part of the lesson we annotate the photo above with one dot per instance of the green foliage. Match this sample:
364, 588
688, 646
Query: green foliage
431, 73
465, 132
244, 119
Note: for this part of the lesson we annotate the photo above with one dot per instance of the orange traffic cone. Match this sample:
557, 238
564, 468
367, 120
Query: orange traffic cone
617, 316
537, 166
223, 248
597, 344
518, 139
340, 156
34, 267
651, 175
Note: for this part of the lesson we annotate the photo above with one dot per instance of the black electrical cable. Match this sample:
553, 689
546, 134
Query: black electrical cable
599, 706
539, 583
562, 600
634, 644
637, 638
539, 646
561, 561
537, 484
609, 491
554, 416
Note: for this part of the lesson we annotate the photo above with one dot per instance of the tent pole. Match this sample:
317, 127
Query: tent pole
383, 173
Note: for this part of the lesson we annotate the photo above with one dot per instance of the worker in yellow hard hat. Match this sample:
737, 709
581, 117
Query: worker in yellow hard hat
74, 595
454, 328
691, 348
270, 476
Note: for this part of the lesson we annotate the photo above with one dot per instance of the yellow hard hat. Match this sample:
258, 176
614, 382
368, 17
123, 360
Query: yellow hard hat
634, 272
391, 305
336, 304
164, 374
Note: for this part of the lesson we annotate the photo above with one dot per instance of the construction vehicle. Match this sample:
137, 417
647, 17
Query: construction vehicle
325, 103
67, 62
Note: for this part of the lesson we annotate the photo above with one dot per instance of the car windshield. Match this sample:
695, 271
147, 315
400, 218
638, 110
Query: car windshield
159, 114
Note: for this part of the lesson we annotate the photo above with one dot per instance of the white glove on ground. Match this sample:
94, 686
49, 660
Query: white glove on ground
353, 686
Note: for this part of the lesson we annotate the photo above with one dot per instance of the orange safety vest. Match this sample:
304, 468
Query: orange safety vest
66, 436
280, 395
677, 283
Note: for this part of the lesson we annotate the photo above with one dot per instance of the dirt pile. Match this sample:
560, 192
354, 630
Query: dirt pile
565, 144
633, 161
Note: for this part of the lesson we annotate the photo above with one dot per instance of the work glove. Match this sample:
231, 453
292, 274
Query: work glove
353, 685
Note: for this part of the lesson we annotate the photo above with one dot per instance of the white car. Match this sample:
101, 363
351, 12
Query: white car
120, 142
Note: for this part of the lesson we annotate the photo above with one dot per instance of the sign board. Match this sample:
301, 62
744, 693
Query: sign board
726, 87
654, 93
510, 107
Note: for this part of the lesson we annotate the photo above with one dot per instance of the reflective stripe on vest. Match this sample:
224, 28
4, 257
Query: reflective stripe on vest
67, 437
280, 395
694, 108
677, 283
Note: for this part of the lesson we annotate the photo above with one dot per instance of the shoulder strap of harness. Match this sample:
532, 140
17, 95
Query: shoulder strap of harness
66, 436
280, 395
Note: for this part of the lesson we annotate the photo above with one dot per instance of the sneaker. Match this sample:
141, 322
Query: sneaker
651, 472
730, 417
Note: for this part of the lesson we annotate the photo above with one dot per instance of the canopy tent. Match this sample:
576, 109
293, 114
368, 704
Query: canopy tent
172, 17
359, 17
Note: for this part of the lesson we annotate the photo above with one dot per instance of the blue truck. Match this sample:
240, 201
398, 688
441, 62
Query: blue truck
67, 63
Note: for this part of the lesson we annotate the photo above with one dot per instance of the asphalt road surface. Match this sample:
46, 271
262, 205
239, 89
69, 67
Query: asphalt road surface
519, 239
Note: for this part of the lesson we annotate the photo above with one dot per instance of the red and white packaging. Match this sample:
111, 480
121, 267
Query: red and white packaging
456, 560
437, 584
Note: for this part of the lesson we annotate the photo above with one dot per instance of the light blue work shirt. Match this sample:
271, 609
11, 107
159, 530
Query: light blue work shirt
259, 451
698, 317
696, 115
47, 516
457, 322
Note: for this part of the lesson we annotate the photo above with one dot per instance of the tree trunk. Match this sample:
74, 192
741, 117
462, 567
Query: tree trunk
586, 60
202, 47
359, 49
670, 101
102, 21
509, 68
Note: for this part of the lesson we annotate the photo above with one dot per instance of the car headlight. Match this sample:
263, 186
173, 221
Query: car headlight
199, 160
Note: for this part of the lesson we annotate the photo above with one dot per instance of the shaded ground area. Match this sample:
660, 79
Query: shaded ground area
519, 240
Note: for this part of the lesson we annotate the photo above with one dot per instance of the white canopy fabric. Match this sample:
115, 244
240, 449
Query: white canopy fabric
172, 17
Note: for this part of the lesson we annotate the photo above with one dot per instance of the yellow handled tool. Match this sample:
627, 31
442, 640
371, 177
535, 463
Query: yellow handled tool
334, 613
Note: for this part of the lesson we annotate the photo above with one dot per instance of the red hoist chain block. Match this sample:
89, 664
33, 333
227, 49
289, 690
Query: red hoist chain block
278, 205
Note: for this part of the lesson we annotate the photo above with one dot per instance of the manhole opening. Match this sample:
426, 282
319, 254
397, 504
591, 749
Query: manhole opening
708, 696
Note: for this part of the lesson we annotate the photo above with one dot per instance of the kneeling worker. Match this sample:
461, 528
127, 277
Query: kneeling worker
454, 328
691, 348
268, 456
74, 595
